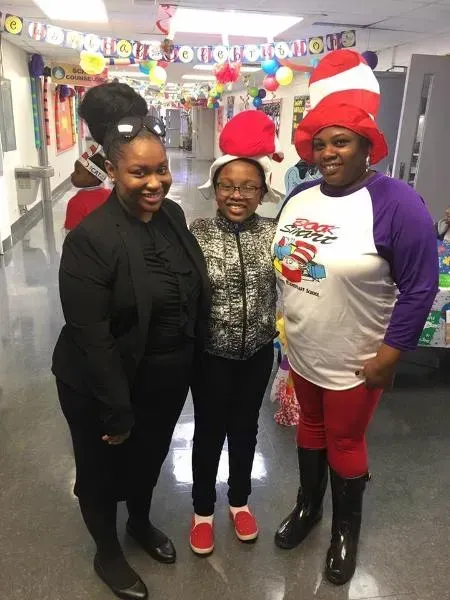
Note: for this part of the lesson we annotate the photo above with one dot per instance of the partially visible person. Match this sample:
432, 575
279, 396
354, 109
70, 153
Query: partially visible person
90, 176
234, 370
443, 227
135, 295
356, 257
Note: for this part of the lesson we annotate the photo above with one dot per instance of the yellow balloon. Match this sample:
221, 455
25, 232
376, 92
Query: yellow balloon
92, 63
220, 88
284, 75
158, 75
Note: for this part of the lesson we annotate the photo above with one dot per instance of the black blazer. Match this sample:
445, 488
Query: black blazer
107, 306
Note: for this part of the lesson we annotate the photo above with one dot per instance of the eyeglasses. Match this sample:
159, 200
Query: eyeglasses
245, 191
130, 127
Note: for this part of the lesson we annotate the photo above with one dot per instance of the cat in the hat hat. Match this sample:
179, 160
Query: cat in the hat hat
347, 329
236, 365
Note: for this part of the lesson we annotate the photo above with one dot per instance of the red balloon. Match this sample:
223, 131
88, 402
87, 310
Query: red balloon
270, 83
163, 63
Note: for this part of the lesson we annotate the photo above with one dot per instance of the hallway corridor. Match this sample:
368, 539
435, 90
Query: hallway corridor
46, 553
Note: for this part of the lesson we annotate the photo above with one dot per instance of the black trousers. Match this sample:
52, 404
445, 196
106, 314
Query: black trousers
131, 469
227, 399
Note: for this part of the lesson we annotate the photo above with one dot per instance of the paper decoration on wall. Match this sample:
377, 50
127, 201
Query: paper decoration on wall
46, 112
63, 123
74, 75
220, 119
299, 110
34, 105
230, 108
272, 108
166, 50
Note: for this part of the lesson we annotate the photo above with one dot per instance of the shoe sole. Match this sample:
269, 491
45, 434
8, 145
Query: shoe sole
201, 551
252, 537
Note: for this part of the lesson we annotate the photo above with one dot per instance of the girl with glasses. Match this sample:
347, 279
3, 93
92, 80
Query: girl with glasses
234, 370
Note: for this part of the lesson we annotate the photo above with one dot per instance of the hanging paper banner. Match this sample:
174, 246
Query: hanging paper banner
13, 24
74, 75
316, 45
114, 48
165, 14
299, 110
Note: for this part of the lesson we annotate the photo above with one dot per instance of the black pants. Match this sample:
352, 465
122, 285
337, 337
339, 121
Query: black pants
131, 469
227, 398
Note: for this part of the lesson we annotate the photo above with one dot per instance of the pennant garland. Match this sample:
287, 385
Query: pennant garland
118, 50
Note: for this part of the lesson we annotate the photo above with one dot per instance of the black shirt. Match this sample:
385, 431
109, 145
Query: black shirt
175, 287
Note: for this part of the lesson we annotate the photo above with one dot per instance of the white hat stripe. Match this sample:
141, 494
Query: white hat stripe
360, 77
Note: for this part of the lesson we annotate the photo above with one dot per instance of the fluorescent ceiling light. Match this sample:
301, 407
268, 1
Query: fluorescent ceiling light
188, 20
199, 77
92, 11
211, 67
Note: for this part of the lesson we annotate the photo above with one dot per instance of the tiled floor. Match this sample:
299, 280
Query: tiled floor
45, 552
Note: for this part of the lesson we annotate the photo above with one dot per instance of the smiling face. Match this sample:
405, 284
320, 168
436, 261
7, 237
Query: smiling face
141, 175
341, 156
239, 205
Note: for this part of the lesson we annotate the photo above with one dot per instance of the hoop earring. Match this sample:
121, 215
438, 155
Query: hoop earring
367, 163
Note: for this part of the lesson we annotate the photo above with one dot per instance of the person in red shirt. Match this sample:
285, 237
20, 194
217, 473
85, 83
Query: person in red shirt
89, 175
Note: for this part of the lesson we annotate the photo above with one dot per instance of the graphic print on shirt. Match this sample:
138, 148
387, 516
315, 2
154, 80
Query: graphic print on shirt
294, 257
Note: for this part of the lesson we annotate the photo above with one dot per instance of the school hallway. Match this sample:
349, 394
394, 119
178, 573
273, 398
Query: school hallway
46, 552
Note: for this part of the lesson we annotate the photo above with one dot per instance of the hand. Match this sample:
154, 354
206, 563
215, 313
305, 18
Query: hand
116, 440
447, 216
377, 374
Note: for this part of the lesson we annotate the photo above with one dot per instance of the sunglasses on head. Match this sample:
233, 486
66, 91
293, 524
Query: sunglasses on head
130, 127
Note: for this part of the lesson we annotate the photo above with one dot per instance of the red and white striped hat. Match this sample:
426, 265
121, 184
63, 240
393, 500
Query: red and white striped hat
345, 77
250, 134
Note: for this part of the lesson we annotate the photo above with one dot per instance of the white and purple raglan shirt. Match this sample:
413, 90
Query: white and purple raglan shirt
357, 268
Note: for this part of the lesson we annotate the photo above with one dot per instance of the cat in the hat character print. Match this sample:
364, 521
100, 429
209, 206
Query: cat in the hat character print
294, 258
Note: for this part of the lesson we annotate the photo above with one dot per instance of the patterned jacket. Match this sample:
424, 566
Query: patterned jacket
243, 284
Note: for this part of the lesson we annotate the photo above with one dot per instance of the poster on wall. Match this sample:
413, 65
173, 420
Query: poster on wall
272, 108
63, 123
230, 107
219, 119
301, 105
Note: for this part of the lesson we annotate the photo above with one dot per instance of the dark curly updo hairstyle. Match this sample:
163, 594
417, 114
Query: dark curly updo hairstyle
104, 106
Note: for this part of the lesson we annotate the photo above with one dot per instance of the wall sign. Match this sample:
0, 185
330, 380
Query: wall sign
63, 74
299, 111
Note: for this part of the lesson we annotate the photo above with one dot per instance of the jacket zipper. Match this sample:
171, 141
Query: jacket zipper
244, 294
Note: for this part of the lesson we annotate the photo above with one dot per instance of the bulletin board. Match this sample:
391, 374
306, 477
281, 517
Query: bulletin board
301, 105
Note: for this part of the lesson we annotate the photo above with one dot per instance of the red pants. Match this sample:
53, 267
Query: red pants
337, 421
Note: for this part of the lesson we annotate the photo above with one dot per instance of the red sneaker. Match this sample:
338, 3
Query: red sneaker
201, 539
245, 525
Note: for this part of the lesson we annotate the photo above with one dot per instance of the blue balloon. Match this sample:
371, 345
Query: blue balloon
257, 102
143, 68
216, 105
270, 67
314, 61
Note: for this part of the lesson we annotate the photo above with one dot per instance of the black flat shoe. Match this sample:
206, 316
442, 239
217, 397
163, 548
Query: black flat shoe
137, 591
154, 542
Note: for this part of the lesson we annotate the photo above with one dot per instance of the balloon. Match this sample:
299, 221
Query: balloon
158, 75
284, 75
92, 63
146, 66
163, 63
270, 67
216, 105
270, 83
262, 93
315, 62
220, 88
253, 92
371, 58
257, 102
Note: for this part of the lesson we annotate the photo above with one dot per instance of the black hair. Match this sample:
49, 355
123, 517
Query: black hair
104, 106
250, 162
99, 160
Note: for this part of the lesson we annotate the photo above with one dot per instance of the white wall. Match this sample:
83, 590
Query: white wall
15, 68
299, 87
401, 55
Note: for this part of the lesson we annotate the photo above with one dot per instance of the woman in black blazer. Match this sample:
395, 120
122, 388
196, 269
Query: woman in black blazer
134, 292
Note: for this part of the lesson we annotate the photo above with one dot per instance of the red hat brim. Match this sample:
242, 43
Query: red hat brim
330, 114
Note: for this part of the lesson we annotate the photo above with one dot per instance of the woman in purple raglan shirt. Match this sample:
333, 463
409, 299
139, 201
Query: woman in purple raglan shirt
356, 260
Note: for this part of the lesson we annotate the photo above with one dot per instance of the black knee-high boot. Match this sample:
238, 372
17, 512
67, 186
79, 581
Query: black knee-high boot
347, 512
109, 563
308, 510
139, 527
